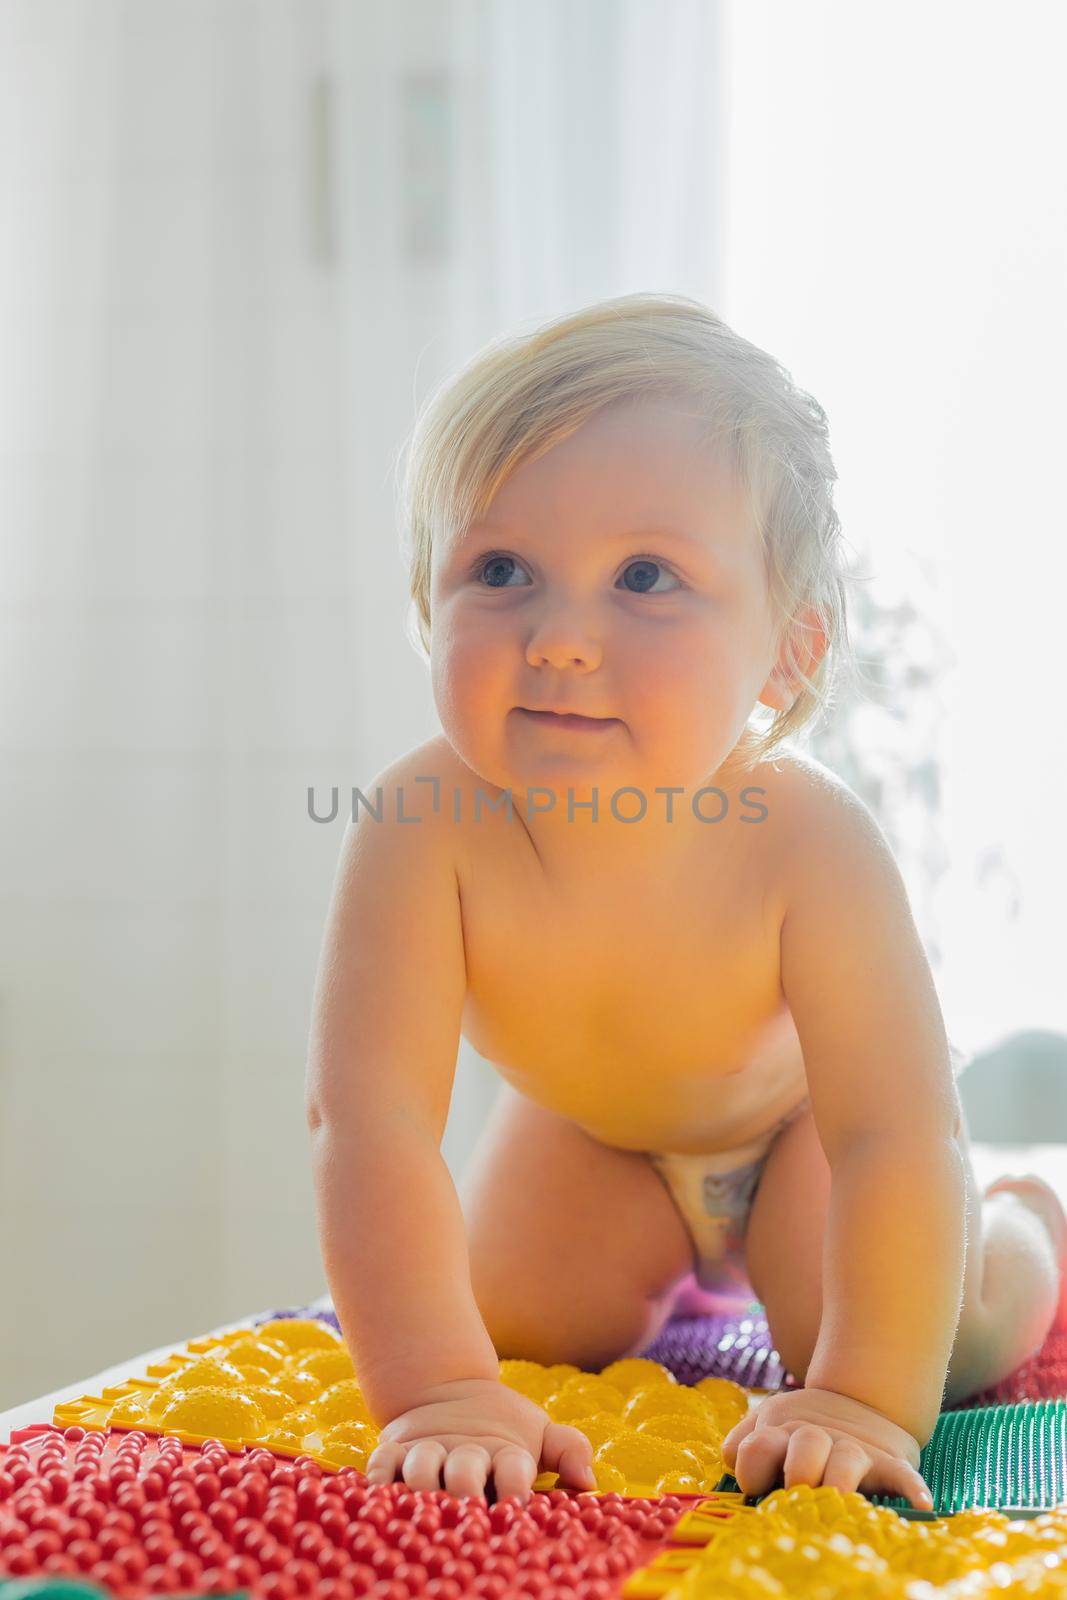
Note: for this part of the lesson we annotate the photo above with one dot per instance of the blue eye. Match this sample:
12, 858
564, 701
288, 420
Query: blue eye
497, 562
643, 565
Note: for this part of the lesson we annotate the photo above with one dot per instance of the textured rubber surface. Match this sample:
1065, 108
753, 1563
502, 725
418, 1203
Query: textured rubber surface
144, 1516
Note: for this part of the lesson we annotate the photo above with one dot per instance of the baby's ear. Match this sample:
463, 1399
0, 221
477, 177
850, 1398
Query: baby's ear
803, 645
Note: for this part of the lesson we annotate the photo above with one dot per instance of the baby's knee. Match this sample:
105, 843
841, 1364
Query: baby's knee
532, 1316
535, 1334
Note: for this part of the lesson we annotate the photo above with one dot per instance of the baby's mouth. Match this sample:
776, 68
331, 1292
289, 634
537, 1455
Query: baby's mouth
555, 719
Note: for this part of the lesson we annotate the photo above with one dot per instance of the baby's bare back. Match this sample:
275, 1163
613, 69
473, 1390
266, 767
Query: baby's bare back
650, 1011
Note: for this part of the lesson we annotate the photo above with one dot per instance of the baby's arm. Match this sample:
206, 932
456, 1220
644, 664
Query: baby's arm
381, 1063
862, 996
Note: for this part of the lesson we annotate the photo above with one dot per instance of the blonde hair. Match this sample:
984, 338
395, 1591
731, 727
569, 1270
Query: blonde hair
521, 395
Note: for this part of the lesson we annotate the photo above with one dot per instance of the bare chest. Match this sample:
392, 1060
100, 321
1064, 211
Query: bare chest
654, 1019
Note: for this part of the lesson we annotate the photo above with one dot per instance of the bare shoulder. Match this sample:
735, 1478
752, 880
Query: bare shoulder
810, 793
826, 829
397, 829
432, 787
417, 785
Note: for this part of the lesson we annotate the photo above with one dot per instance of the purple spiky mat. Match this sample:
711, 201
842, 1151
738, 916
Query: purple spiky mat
734, 1345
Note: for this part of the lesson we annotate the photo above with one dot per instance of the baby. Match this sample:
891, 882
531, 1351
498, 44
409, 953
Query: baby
684, 944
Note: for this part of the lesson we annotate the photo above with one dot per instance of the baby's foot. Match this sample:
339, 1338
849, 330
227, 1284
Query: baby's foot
1043, 1200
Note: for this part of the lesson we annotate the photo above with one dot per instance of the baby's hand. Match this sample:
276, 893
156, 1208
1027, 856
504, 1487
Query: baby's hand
816, 1436
475, 1426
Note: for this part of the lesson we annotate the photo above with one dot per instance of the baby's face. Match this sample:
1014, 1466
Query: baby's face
620, 576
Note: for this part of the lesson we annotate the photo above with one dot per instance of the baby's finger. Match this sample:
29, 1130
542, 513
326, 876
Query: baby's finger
422, 1464
566, 1450
466, 1469
892, 1475
383, 1462
514, 1471
739, 1431
847, 1465
806, 1455
759, 1459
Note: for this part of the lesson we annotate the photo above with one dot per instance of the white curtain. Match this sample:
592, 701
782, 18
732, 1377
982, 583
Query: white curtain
240, 242
178, 664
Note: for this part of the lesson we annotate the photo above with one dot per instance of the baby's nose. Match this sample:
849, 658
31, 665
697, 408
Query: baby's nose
563, 638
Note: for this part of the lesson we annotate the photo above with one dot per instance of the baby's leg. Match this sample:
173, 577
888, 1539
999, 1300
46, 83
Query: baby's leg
1016, 1240
1040, 1198
576, 1248
1021, 1291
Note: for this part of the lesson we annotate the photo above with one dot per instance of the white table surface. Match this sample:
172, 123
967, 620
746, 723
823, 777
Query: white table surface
42, 1410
